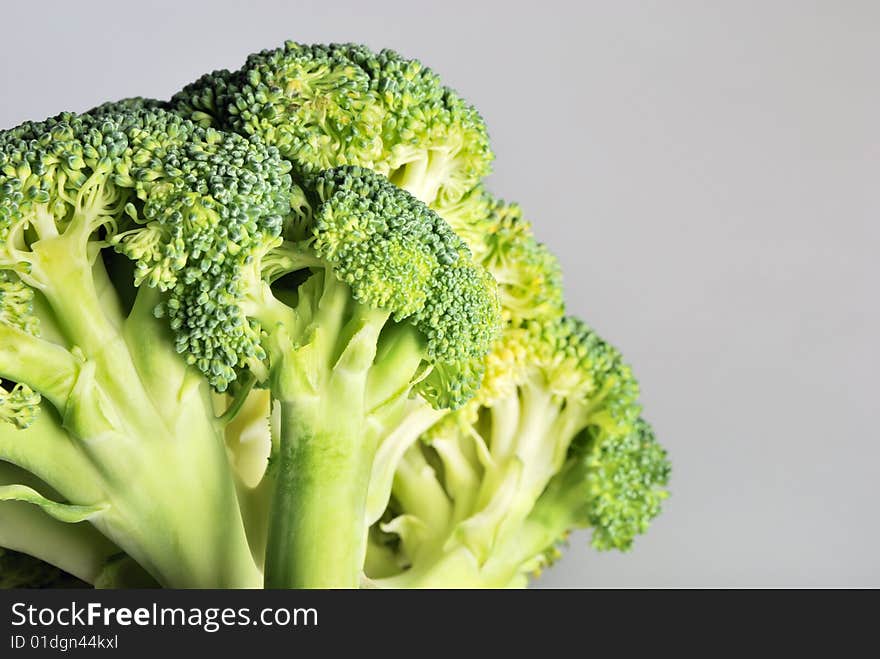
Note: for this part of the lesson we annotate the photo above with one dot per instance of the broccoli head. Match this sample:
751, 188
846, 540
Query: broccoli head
327, 106
553, 442
361, 294
93, 385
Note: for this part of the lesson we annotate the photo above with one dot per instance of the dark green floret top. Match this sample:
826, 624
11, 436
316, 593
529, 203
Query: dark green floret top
331, 105
399, 255
622, 482
187, 204
127, 105
580, 365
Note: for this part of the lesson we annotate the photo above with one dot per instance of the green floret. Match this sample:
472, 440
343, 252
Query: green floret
365, 296
613, 485
16, 304
326, 106
552, 442
119, 405
205, 101
529, 276
530, 289
194, 239
125, 105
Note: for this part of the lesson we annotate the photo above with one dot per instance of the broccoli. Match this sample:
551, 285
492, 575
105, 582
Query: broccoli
97, 403
275, 331
360, 300
76, 548
529, 288
342, 104
554, 441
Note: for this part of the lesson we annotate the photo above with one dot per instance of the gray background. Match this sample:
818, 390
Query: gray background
706, 172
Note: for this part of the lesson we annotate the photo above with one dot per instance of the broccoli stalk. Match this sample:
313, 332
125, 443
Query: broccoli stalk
75, 547
126, 436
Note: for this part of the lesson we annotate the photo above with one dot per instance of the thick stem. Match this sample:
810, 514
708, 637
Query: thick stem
176, 513
316, 529
318, 524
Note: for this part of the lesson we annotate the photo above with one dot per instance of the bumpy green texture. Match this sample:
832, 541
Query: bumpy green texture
326, 106
276, 332
553, 442
391, 305
97, 395
398, 255
392, 253
194, 242
125, 105
613, 486
502, 240
529, 283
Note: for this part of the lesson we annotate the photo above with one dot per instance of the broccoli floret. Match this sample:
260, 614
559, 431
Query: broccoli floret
94, 387
554, 441
530, 289
127, 104
613, 485
361, 295
529, 276
326, 106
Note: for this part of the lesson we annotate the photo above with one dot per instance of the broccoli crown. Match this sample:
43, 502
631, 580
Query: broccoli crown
578, 365
205, 101
186, 204
393, 252
471, 216
325, 106
398, 255
613, 484
529, 276
568, 359
553, 441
